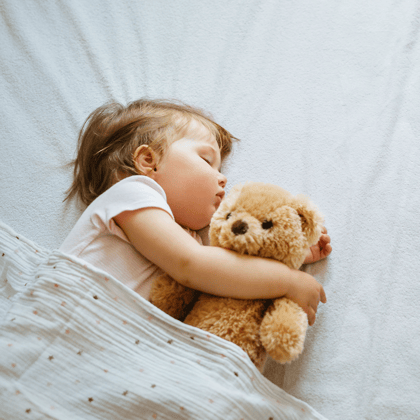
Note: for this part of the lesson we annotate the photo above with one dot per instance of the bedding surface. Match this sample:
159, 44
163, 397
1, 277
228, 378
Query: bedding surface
325, 97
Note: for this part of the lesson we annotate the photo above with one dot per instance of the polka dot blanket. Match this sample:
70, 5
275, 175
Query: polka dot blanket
77, 344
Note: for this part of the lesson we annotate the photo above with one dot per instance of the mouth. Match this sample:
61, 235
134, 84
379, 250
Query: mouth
221, 195
219, 198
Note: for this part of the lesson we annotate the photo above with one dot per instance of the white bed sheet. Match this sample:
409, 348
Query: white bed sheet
325, 97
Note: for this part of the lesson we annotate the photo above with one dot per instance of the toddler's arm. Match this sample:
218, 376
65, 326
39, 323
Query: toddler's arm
216, 270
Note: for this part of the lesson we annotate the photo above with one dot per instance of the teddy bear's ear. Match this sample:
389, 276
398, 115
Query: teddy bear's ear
312, 220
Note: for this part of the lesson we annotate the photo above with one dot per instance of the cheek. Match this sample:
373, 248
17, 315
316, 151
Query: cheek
196, 173
204, 180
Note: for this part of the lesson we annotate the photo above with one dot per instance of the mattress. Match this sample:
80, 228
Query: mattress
324, 97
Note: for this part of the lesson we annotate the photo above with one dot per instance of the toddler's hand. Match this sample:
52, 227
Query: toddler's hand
307, 293
320, 250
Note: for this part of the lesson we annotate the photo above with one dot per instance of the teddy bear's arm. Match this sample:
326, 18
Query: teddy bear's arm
171, 297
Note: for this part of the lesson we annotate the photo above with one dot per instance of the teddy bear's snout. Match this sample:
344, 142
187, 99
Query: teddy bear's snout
239, 227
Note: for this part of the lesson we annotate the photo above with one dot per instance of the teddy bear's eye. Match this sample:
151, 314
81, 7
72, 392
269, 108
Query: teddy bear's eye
228, 215
267, 224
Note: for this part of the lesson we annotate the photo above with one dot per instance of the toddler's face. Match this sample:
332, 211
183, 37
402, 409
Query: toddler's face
190, 175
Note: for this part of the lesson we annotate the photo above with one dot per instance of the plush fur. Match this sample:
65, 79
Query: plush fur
256, 219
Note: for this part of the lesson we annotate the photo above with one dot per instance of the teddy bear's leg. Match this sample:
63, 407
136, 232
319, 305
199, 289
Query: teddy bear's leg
172, 297
283, 330
234, 320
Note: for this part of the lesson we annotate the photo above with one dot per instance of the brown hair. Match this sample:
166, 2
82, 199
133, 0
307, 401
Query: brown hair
112, 133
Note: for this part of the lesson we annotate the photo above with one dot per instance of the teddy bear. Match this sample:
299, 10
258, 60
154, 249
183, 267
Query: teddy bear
258, 219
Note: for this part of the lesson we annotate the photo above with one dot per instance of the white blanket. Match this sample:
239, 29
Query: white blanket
325, 97
77, 344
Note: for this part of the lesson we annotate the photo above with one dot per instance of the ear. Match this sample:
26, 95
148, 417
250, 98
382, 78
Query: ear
311, 219
145, 160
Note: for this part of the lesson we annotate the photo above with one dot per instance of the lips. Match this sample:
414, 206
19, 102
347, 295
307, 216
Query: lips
221, 194
219, 198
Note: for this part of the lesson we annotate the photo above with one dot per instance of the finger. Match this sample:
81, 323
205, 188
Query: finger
323, 295
311, 316
326, 239
327, 249
324, 229
315, 308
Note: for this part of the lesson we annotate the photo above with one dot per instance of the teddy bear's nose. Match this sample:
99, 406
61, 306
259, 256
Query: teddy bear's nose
239, 227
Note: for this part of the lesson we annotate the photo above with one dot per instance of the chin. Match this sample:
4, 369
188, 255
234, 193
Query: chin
200, 224
191, 221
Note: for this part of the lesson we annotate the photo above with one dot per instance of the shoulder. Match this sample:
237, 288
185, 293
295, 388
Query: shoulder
137, 183
133, 190
131, 193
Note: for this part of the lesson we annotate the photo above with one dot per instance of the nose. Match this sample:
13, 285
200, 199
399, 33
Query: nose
239, 227
222, 180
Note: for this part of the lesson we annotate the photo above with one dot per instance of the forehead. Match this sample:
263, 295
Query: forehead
195, 130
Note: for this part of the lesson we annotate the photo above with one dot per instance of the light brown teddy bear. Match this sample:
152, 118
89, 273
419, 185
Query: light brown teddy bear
256, 219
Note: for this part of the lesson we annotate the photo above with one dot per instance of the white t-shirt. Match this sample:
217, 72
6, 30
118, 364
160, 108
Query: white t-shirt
97, 239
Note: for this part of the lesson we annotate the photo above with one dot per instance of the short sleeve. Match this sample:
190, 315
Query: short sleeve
132, 193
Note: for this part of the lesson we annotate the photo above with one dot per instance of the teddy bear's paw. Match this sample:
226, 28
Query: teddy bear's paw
283, 330
235, 320
171, 297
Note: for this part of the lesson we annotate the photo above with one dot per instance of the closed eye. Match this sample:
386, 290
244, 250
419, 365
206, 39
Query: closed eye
210, 153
